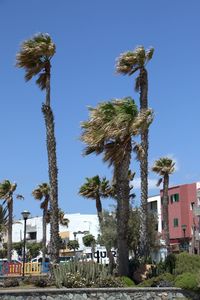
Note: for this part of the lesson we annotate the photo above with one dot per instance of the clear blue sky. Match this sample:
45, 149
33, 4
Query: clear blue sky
89, 35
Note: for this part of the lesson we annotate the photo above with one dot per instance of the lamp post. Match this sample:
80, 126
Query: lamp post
25, 215
184, 226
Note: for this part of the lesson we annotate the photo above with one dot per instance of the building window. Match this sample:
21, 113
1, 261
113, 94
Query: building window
175, 222
32, 235
174, 198
192, 205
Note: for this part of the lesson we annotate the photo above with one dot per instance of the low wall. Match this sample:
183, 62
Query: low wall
99, 294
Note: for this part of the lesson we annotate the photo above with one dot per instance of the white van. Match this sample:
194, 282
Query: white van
38, 259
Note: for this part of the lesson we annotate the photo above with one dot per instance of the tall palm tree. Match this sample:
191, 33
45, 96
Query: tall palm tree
129, 63
35, 58
42, 192
109, 130
164, 166
96, 188
3, 223
7, 190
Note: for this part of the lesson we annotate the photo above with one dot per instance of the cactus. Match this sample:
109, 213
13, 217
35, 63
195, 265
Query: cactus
89, 271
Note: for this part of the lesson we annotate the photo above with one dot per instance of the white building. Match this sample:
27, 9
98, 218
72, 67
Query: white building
78, 223
154, 205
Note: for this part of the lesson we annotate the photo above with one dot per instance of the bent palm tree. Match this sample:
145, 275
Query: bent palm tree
109, 130
95, 188
42, 192
35, 57
127, 64
7, 190
164, 167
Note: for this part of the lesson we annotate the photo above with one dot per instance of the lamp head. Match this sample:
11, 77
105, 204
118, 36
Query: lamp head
25, 214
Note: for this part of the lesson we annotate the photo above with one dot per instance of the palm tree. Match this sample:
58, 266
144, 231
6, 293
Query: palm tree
62, 219
96, 188
35, 57
3, 223
164, 166
42, 192
127, 64
109, 130
7, 190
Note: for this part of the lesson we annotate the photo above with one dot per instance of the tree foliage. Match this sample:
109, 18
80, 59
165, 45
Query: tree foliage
89, 240
108, 236
34, 57
73, 245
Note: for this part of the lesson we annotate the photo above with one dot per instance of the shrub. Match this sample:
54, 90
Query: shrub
28, 280
11, 282
40, 282
74, 280
187, 263
170, 263
188, 281
147, 283
110, 281
160, 268
127, 281
163, 280
90, 271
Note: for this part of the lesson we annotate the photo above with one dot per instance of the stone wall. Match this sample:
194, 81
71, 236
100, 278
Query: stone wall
99, 294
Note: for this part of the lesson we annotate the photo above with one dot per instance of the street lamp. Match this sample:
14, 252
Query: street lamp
25, 215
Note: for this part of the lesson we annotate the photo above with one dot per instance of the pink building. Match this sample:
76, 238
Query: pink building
183, 201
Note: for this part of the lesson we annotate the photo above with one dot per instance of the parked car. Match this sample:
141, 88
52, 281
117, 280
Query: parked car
64, 259
38, 259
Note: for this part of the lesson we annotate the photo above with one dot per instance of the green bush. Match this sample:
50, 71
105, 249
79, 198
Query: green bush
187, 263
10, 282
127, 281
170, 263
74, 280
188, 281
41, 282
28, 280
163, 280
110, 281
90, 271
147, 283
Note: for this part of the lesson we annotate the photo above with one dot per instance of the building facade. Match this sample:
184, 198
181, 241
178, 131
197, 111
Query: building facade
184, 214
79, 224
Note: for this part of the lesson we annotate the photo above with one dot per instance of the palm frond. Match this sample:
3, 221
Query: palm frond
131, 61
34, 57
164, 165
109, 128
159, 182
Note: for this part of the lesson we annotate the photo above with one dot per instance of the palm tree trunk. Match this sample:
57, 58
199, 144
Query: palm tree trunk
44, 228
122, 195
99, 209
108, 249
165, 211
53, 173
144, 247
10, 220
